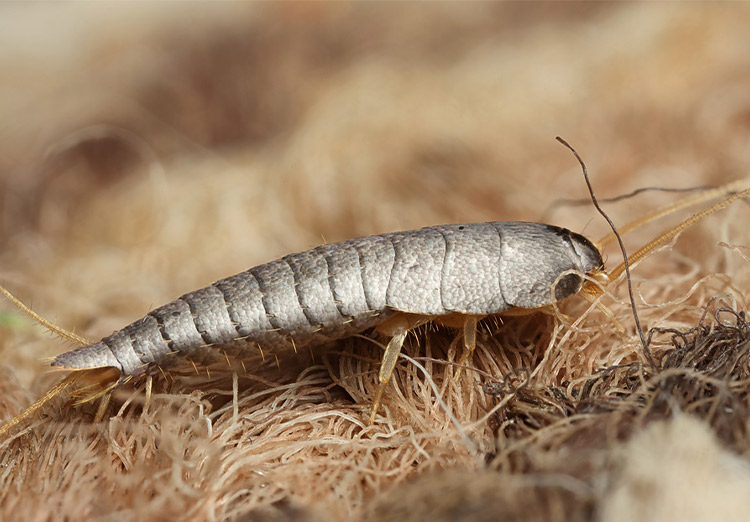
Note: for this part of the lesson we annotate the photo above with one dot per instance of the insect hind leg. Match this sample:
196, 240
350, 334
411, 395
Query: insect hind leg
392, 352
397, 328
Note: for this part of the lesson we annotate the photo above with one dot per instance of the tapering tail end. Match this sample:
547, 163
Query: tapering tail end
95, 355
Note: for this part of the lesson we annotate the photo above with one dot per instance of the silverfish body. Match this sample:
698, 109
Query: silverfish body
452, 274
336, 290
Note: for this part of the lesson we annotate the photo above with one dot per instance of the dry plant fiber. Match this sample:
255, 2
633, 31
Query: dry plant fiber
148, 150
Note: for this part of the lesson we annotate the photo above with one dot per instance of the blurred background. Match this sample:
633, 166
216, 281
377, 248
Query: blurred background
149, 149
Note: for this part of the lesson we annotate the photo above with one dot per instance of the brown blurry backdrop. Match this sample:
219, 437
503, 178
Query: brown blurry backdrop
149, 149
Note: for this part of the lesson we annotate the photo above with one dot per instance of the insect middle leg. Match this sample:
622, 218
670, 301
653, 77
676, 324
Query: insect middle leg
397, 329
468, 325
470, 342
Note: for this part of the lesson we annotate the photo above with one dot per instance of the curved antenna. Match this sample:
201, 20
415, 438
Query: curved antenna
619, 240
579, 202
674, 207
644, 250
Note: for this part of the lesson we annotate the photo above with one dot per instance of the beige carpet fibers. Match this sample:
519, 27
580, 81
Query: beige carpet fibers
147, 150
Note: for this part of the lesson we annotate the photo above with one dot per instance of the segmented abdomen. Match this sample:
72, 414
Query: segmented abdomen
336, 290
